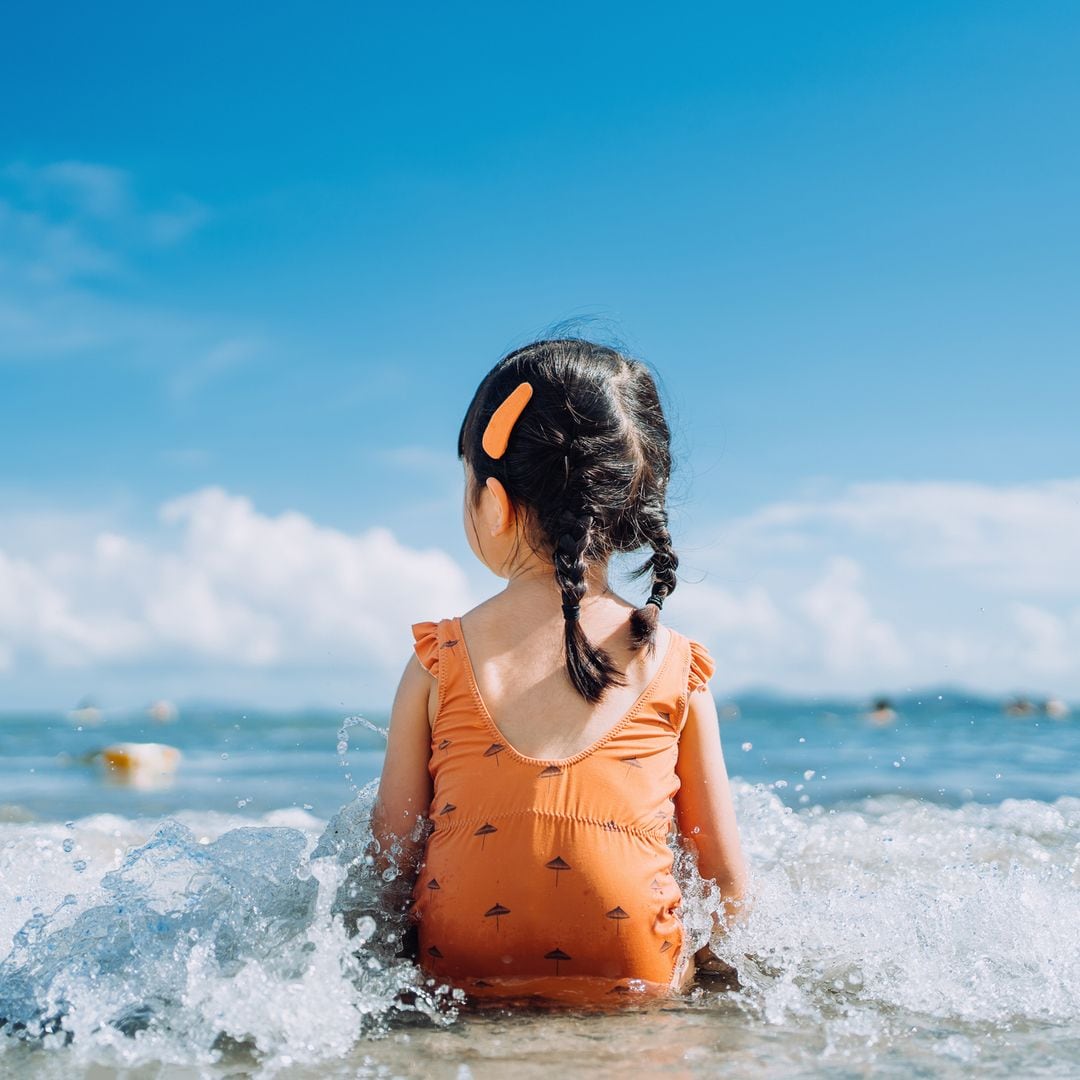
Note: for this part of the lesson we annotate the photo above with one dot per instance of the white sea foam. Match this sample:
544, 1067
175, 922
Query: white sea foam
125, 942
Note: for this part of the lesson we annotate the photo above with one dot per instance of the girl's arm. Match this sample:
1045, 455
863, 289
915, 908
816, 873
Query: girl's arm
703, 805
400, 809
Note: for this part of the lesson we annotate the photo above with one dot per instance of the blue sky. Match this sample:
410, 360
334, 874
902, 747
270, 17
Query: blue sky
267, 253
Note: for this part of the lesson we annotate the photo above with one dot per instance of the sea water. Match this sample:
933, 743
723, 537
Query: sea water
916, 908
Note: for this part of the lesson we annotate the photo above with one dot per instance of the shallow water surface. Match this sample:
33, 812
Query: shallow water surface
909, 926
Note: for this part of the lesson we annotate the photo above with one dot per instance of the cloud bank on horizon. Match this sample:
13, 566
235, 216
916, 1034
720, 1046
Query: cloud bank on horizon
880, 588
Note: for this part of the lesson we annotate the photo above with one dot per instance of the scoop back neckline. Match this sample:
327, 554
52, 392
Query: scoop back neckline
592, 747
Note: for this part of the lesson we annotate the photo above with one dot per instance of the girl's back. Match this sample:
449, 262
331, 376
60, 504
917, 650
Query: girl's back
516, 648
549, 855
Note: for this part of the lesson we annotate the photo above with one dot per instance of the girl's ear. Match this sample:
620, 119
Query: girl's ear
504, 516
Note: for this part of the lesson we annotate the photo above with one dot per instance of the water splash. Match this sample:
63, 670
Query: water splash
347, 725
867, 916
868, 922
194, 944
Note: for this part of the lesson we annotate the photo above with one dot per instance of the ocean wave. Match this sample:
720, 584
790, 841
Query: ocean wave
127, 942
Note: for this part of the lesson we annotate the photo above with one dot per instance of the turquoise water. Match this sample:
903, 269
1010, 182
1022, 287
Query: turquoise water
943, 747
916, 907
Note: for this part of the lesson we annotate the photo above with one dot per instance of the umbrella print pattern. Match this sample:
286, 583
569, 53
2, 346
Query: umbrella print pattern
558, 864
484, 832
558, 956
617, 914
649, 751
496, 913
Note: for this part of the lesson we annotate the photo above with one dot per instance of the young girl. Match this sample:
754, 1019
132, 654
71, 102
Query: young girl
549, 739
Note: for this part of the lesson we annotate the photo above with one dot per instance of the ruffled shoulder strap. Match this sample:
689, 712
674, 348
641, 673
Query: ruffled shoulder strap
702, 667
426, 646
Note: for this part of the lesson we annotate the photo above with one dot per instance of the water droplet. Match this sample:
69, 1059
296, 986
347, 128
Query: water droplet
747, 746
224, 757
68, 845
79, 865
809, 774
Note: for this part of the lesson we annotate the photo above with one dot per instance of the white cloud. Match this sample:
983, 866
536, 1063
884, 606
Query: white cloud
1021, 536
81, 186
96, 195
852, 638
225, 585
73, 238
894, 584
219, 360
1050, 643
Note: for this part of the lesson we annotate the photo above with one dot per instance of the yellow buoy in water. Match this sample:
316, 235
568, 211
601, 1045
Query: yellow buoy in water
142, 765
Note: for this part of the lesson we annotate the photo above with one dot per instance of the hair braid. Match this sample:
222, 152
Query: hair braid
590, 667
662, 563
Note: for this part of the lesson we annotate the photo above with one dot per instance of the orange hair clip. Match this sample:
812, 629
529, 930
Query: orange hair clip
497, 433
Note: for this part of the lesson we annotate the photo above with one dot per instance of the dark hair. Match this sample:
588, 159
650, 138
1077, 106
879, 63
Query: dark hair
589, 460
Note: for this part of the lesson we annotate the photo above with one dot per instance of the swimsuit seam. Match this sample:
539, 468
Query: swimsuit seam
634, 830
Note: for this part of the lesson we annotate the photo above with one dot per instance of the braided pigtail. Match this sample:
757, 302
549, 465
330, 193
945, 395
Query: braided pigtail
662, 563
590, 668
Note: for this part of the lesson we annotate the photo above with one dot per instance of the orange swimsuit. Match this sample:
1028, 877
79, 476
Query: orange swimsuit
545, 877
